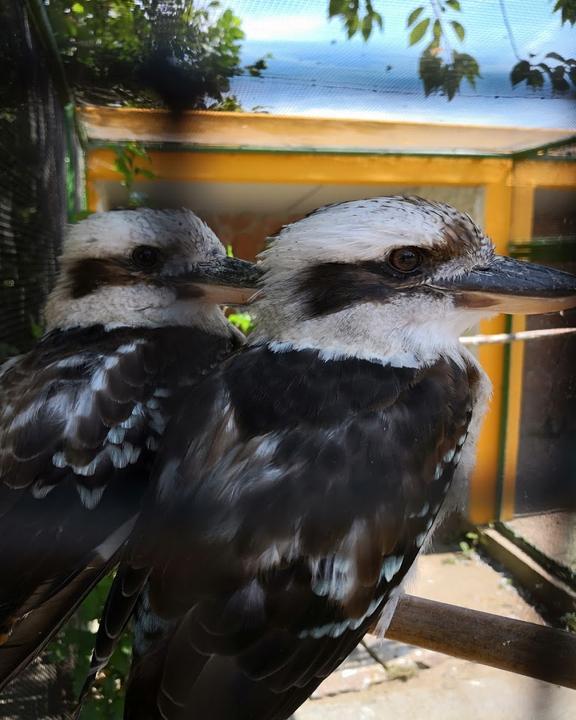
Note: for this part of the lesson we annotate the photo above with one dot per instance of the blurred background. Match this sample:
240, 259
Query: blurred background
252, 113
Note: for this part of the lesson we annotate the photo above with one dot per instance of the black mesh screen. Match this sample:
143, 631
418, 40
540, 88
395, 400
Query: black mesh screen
33, 204
43, 692
32, 176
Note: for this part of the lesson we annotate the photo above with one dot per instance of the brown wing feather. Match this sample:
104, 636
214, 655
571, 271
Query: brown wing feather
278, 550
80, 419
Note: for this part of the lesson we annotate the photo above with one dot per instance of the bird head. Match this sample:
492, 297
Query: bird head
394, 277
145, 268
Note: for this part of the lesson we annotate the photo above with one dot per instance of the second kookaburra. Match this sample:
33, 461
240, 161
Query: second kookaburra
292, 497
132, 324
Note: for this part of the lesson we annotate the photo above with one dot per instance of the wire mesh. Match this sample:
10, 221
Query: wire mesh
32, 178
33, 204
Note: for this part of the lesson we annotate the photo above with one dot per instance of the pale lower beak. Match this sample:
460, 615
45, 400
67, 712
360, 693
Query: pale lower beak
513, 286
225, 281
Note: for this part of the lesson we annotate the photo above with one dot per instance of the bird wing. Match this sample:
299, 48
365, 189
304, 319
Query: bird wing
289, 504
78, 423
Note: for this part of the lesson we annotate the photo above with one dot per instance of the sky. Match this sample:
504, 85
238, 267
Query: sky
316, 70
534, 24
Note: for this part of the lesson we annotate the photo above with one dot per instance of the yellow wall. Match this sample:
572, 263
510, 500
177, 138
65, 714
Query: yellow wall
508, 200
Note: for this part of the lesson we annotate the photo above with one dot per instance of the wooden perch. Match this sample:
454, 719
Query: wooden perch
521, 647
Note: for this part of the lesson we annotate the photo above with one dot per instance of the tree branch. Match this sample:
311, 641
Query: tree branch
509, 29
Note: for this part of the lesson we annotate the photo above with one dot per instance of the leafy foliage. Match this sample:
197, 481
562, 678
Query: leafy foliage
74, 645
139, 51
354, 21
243, 321
442, 68
129, 162
534, 75
567, 10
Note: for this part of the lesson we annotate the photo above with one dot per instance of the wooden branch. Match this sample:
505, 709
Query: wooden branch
521, 647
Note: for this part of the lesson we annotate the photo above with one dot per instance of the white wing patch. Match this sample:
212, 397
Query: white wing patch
72, 402
90, 497
333, 577
336, 577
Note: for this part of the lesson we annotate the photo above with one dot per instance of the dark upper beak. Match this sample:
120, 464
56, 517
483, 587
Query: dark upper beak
223, 281
513, 286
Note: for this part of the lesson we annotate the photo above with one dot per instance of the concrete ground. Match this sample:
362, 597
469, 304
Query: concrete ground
391, 681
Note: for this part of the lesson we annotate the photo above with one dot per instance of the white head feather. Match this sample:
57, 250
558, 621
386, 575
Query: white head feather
181, 235
407, 329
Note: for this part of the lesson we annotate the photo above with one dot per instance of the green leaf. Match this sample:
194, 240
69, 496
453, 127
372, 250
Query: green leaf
454, 4
135, 148
366, 26
145, 173
378, 19
437, 30
458, 29
352, 25
452, 82
559, 83
555, 56
121, 166
469, 67
337, 7
535, 78
418, 32
414, 15
77, 8
568, 10
431, 72
520, 72
242, 321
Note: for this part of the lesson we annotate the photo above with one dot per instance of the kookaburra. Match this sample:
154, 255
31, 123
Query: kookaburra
132, 324
293, 495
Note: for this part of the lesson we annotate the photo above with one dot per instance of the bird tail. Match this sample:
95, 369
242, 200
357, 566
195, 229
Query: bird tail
120, 603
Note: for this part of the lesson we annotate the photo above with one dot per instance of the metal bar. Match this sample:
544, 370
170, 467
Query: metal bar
522, 335
39, 17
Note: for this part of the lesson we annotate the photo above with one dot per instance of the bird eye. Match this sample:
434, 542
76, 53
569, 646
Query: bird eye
145, 257
405, 259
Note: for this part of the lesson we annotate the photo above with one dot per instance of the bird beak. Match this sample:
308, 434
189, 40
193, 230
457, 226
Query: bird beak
513, 286
224, 281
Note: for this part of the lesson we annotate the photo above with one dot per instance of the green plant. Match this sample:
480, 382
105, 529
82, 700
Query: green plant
243, 321
437, 26
468, 544
569, 620
73, 646
136, 52
128, 162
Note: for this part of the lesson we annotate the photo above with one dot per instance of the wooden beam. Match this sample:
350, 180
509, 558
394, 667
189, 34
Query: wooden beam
277, 132
538, 651
318, 167
483, 494
556, 596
